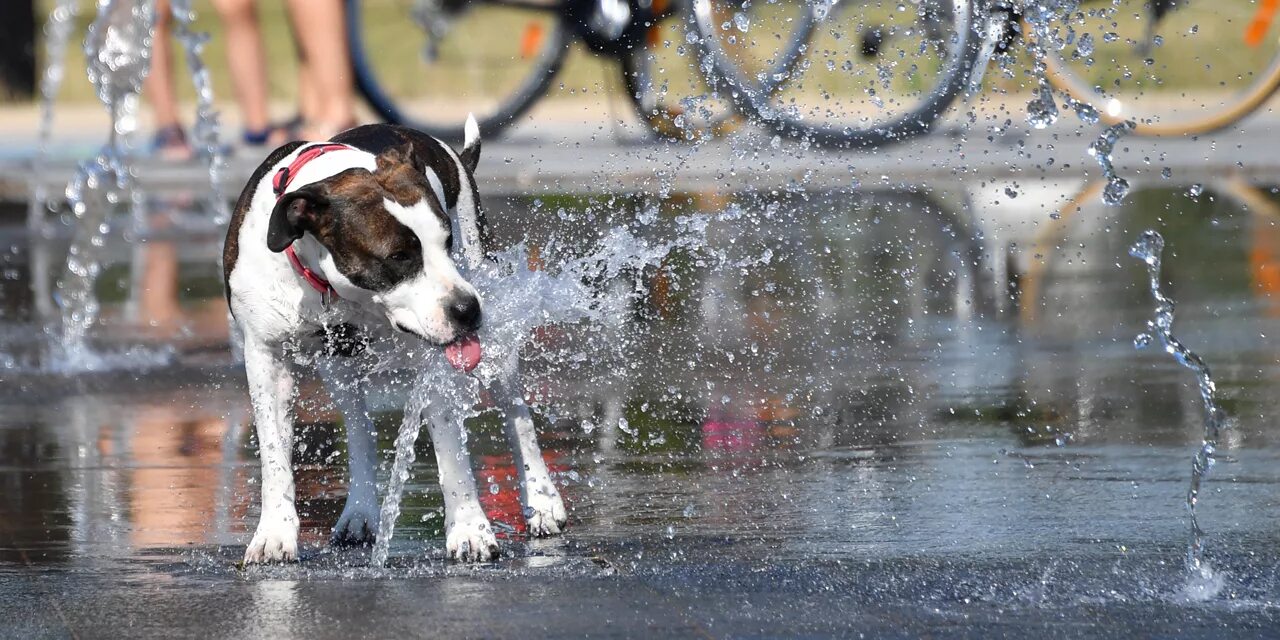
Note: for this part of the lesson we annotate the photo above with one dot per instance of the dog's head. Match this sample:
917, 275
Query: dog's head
390, 240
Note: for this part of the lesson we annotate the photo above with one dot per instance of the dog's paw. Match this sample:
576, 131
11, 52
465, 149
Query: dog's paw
276, 540
357, 526
471, 540
544, 510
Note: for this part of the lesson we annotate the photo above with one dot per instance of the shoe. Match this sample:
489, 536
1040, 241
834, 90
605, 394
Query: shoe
170, 143
274, 134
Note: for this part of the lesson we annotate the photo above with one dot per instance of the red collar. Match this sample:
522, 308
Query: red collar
278, 185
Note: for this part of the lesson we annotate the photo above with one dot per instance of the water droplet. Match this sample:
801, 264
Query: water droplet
1115, 191
1043, 110
1085, 112
1085, 45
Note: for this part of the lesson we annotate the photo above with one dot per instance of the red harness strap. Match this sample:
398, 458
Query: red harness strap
278, 185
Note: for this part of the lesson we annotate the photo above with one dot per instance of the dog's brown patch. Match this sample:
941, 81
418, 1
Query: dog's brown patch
402, 178
423, 151
347, 214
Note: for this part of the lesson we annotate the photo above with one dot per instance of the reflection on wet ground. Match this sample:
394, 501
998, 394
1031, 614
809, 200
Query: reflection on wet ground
898, 412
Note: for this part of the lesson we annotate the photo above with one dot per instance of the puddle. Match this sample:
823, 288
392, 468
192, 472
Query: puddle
916, 405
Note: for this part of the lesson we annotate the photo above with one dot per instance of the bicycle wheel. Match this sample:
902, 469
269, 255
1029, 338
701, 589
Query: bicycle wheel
874, 72
428, 63
749, 46
1171, 67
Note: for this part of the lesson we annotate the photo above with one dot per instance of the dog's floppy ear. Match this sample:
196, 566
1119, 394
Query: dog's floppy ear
470, 155
294, 214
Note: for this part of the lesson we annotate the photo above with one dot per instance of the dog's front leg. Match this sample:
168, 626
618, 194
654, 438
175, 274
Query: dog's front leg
271, 390
358, 523
468, 536
543, 508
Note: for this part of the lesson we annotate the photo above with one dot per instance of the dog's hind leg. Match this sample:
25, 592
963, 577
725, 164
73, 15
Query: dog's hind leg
544, 510
468, 536
271, 390
358, 524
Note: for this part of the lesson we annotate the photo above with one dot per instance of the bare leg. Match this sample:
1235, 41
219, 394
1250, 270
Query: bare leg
543, 508
271, 390
308, 100
468, 536
323, 46
247, 60
358, 523
159, 89
159, 82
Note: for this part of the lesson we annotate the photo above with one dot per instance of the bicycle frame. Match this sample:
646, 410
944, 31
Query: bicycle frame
606, 27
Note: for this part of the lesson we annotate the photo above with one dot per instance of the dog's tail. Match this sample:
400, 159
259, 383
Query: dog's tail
470, 155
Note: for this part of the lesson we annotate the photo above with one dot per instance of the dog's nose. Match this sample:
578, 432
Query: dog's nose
464, 311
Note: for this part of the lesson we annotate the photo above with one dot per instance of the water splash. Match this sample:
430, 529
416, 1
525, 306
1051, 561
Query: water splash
117, 51
406, 437
1044, 18
1149, 248
1102, 149
591, 288
206, 131
57, 33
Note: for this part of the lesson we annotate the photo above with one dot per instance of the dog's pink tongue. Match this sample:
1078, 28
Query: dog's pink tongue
464, 353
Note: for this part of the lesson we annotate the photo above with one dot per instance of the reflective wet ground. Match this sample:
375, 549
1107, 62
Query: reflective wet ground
890, 412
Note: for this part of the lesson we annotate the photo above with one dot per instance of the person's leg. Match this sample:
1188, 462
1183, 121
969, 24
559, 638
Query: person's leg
327, 67
247, 60
308, 98
170, 142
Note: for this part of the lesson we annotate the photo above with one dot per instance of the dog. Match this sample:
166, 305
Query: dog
335, 241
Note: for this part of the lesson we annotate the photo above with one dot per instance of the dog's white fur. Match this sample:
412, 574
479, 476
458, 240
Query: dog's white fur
276, 312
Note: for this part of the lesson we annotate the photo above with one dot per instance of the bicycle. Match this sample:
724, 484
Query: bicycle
497, 58
1130, 61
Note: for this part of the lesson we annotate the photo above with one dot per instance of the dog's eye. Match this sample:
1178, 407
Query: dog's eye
400, 256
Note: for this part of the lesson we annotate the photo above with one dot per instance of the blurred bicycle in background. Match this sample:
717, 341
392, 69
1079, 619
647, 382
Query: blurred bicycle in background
834, 72
427, 63
884, 71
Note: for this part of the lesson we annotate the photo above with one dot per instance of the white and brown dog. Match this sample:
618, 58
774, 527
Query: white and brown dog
331, 241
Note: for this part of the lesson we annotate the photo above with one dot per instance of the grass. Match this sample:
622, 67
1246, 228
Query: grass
391, 30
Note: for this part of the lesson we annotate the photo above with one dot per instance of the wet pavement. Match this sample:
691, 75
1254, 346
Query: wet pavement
891, 412
604, 157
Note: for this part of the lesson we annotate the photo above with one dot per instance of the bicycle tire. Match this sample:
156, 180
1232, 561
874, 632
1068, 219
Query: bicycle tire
918, 120
1060, 74
492, 122
727, 73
